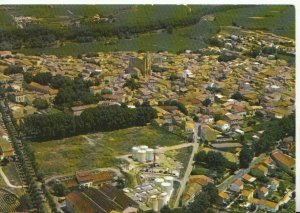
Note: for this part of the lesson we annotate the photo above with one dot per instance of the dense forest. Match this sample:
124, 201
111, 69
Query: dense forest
59, 125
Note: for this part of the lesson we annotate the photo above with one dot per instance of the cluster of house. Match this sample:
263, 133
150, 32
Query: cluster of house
200, 82
194, 75
259, 193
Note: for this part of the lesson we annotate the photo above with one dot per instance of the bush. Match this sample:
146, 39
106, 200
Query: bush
40, 103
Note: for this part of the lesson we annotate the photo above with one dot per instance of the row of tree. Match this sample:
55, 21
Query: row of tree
60, 125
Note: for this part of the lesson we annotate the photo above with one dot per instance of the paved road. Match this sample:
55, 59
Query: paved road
239, 174
7, 181
189, 166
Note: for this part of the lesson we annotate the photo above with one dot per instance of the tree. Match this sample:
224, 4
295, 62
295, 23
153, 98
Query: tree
59, 81
12, 70
238, 96
200, 204
43, 78
28, 77
216, 160
108, 118
106, 91
25, 203
281, 188
217, 117
212, 192
246, 156
60, 189
40, 103
206, 102
200, 157
132, 84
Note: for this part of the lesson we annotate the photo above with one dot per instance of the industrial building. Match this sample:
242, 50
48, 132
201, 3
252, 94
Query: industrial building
142, 154
152, 195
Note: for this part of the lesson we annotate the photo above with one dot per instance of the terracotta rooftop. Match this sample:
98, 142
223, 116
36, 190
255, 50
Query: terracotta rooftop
200, 179
224, 195
282, 158
238, 182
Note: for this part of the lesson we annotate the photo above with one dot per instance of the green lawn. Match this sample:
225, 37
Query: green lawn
96, 150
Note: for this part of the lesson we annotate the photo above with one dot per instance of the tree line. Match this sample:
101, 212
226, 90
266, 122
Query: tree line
59, 125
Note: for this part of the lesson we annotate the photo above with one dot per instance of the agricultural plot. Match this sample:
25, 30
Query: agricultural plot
9, 202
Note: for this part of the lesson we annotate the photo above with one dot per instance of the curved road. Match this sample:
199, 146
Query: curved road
7, 181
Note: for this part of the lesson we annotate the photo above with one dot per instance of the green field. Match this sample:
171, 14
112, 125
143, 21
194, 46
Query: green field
277, 19
96, 150
181, 39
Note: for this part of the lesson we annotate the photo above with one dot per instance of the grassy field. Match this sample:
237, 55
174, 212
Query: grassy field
276, 19
96, 150
182, 156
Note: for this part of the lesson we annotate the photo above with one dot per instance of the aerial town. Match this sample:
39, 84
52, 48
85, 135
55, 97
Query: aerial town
211, 130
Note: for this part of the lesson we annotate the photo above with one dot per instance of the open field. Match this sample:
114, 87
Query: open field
276, 19
96, 150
